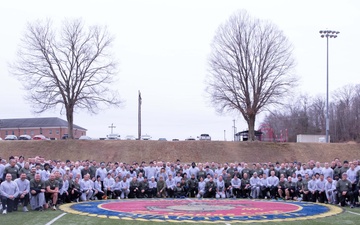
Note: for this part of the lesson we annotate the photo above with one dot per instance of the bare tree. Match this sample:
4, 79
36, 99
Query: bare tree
71, 67
250, 67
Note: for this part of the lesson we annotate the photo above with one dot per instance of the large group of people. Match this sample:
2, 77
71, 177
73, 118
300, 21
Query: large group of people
39, 184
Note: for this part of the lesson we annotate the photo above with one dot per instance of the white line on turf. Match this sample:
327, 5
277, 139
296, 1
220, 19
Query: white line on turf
353, 212
56, 218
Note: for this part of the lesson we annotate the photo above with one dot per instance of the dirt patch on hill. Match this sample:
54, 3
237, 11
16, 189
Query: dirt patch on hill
186, 151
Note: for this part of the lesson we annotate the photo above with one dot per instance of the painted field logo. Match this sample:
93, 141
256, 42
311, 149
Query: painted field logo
209, 210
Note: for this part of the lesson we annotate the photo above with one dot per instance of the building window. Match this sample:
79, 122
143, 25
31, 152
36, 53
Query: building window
6, 132
32, 133
24, 131
50, 131
57, 132
12, 132
40, 130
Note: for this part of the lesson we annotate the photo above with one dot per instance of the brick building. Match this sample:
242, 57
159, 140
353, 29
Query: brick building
51, 127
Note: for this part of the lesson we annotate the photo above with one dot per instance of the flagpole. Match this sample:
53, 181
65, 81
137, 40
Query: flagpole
139, 116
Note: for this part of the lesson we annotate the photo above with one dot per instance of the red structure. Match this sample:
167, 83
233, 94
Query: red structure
269, 135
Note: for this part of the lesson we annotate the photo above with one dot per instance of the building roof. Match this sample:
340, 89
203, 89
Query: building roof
42, 122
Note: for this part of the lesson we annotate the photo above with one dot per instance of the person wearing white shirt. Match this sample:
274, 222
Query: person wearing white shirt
45, 174
170, 185
86, 188
98, 191
24, 189
317, 168
320, 189
236, 187
151, 171
108, 184
220, 188
312, 188
263, 186
9, 190
102, 172
125, 188
152, 187
351, 175
255, 186
327, 171
219, 170
201, 185
272, 183
117, 188
330, 190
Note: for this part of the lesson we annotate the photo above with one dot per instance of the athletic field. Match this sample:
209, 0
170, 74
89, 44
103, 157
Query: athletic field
96, 213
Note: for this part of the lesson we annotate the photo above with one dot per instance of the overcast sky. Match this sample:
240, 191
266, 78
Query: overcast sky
162, 48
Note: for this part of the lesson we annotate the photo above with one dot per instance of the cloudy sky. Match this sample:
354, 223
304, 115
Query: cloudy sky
162, 48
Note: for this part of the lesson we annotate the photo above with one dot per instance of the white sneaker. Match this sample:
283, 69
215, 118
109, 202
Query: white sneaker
25, 209
4, 211
119, 198
54, 207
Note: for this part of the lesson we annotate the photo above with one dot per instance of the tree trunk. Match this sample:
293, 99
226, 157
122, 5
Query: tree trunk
70, 120
251, 125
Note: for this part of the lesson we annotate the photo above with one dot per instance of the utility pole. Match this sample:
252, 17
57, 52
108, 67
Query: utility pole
112, 127
234, 130
139, 116
224, 135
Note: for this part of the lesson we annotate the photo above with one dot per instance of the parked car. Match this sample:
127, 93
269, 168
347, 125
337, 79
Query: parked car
113, 137
10, 137
145, 137
39, 137
1, 139
84, 137
130, 137
175, 139
190, 139
24, 137
204, 137
65, 136
162, 139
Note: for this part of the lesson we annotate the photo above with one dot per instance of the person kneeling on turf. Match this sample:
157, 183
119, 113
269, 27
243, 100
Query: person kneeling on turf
37, 190
8, 191
179, 191
24, 189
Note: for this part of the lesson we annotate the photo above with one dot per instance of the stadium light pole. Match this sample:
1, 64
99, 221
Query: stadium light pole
327, 34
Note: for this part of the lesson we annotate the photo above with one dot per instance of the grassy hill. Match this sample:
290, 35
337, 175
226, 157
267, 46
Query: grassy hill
186, 151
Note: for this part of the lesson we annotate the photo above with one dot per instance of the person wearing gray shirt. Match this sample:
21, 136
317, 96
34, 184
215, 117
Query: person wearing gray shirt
320, 189
150, 171
86, 188
24, 189
330, 190
327, 171
312, 188
9, 190
2, 169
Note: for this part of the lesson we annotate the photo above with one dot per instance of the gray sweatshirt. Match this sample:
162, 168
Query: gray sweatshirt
9, 188
23, 185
